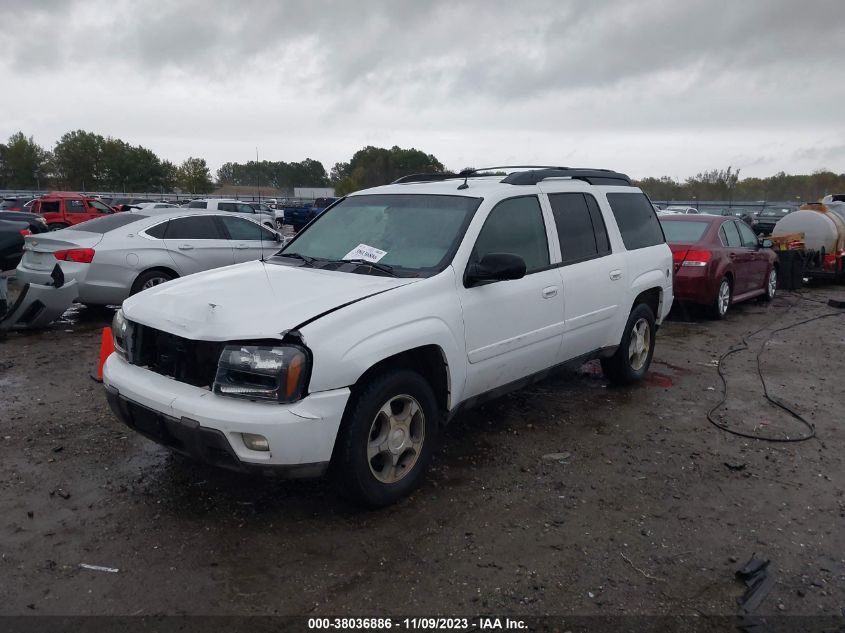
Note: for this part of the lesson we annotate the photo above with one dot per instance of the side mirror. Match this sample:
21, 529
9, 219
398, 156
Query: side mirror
278, 238
495, 267
766, 243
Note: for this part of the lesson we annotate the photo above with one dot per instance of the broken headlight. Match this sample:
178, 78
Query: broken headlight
119, 333
262, 372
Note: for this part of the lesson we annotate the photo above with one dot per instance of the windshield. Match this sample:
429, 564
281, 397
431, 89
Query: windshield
414, 234
683, 232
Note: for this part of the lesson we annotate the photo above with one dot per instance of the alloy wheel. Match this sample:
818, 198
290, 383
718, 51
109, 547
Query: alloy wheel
639, 345
154, 281
724, 297
396, 438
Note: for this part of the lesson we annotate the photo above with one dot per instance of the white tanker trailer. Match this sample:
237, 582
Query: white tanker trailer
822, 225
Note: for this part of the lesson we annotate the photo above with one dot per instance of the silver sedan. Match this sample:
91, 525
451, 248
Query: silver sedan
118, 255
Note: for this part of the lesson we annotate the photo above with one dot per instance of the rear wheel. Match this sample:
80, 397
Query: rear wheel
387, 438
633, 357
150, 279
57, 226
722, 302
771, 285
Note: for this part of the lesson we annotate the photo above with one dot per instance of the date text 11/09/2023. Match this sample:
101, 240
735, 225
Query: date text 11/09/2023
422, 624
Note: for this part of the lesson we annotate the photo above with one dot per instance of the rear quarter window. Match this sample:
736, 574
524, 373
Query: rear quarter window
636, 219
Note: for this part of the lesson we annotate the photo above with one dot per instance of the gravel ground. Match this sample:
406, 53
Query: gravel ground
641, 513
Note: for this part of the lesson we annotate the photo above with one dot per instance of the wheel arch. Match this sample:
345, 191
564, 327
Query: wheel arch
165, 269
427, 360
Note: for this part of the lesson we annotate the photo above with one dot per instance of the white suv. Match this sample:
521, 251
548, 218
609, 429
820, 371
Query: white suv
388, 315
234, 206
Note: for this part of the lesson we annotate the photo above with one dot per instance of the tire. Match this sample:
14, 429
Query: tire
57, 226
721, 303
771, 285
377, 473
628, 366
149, 279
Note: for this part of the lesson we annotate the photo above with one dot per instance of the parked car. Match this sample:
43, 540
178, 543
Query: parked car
673, 210
299, 216
61, 210
260, 207
145, 206
765, 220
388, 315
719, 261
119, 255
12, 234
122, 204
36, 223
233, 206
15, 204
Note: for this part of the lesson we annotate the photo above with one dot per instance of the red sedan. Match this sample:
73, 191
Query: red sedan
719, 261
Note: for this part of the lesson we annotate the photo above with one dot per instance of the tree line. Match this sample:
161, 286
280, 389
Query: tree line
85, 161
725, 185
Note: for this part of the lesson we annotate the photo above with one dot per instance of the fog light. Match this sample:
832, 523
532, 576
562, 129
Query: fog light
255, 442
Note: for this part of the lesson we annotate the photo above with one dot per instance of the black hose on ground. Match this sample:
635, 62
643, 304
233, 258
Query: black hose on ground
744, 345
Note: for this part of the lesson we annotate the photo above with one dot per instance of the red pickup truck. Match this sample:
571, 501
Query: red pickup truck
61, 210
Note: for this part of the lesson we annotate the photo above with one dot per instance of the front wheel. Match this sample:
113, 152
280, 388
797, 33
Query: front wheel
387, 438
633, 357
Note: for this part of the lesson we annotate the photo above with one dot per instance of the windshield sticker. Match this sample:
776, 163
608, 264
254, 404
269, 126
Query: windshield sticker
367, 253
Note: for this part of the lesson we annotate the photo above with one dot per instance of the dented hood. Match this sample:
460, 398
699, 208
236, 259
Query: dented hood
251, 300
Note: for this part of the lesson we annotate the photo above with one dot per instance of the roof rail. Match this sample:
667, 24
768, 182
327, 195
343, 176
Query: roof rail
592, 176
530, 175
429, 177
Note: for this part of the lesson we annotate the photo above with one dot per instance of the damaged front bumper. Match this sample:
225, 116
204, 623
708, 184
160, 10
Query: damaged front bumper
210, 428
38, 305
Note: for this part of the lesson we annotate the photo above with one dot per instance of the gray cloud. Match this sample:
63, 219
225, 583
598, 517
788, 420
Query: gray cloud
321, 74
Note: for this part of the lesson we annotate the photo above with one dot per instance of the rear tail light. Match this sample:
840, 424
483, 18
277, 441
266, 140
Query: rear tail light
696, 258
78, 255
25, 232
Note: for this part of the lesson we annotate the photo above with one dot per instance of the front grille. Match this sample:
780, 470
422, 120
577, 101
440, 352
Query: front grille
191, 362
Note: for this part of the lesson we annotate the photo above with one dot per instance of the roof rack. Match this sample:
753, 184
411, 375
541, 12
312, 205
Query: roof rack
429, 177
592, 176
531, 175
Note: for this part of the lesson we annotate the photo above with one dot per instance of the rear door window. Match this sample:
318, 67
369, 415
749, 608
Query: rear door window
636, 219
201, 227
580, 228
732, 235
197, 204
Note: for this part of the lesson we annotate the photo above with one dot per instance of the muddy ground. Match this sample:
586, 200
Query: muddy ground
642, 515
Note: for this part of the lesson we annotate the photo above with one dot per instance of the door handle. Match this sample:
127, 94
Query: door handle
732, 255
616, 275
185, 247
549, 292
242, 246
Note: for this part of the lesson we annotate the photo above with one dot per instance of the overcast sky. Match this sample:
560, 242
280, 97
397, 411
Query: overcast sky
649, 87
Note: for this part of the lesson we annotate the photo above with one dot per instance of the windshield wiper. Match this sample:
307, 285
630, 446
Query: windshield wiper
385, 268
308, 260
